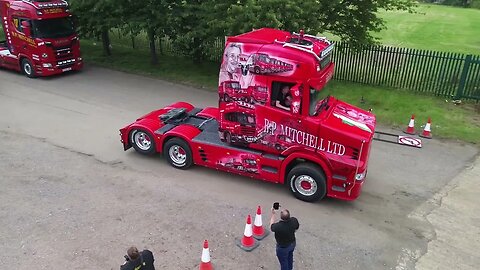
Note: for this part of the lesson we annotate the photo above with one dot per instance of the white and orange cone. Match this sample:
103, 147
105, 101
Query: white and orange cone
205, 264
258, 231
427, 133
247, 243
411, 126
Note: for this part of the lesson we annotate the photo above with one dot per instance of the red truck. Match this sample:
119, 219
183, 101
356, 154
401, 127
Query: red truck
258, 94
319, 147
246, 163
231, 90
237, 124
261, 63
40, 37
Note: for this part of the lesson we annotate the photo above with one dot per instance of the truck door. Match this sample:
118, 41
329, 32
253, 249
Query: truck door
301, 129
276, 121
19, 38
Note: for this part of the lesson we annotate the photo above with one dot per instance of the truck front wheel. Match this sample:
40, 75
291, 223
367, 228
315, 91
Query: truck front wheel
178, 153
27, 68
307, 182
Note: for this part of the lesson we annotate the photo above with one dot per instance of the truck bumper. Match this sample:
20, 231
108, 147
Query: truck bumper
43, 71
348, 194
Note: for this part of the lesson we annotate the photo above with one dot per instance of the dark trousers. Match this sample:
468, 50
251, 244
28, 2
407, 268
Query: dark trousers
285, 256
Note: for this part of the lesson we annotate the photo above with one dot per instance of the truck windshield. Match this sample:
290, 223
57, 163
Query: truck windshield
318, 101
53, 28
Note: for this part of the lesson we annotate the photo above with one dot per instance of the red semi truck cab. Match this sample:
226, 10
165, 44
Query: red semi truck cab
40, 37
316, 145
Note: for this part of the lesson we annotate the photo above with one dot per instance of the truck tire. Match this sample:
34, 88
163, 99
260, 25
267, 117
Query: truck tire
142, 141
256, 70
178, 153
307, 182
27, 68
227, 136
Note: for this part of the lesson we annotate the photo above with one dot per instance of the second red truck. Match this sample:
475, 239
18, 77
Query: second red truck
40, 37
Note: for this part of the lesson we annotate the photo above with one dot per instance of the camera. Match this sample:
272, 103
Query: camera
126, 258
276, 205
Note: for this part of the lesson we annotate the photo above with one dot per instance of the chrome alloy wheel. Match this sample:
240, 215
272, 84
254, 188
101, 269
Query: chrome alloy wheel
305, 185
142, 140
177, 155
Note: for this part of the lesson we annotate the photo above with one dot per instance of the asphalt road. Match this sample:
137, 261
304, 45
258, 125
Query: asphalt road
73, 199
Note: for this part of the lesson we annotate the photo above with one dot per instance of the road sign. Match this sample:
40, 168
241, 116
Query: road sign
410, 141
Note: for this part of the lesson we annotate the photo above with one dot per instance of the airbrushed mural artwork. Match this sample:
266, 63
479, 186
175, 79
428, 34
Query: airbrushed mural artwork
242, 87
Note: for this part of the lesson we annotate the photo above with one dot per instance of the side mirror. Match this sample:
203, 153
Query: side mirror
26, 28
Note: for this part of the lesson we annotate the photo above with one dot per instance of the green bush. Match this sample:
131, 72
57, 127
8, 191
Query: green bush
475, 4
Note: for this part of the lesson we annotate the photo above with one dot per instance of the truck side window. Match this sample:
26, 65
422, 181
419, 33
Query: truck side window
17, 22
281, 96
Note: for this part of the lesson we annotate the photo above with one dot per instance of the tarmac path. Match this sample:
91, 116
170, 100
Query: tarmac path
73, 199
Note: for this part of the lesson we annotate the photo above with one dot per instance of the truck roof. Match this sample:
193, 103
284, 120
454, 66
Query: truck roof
39, 8
279, 40
263, 35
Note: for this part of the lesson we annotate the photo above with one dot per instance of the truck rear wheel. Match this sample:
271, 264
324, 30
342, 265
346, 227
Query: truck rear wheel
307, 182
27, 68
142, 141
178, 153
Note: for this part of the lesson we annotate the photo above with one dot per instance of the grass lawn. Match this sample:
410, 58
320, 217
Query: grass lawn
137, 61
392, 107
433, 27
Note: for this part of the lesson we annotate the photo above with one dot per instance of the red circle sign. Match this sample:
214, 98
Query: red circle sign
410, 141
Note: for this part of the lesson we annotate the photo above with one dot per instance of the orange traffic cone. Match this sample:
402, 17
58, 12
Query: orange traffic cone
258, 231
247, 243
426, 131
411, 126
205, 264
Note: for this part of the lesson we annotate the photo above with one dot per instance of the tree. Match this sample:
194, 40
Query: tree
150, 16
96, 18
189, 27
352, 20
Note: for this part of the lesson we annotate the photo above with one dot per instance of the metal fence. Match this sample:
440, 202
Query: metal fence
451, 75
446, 74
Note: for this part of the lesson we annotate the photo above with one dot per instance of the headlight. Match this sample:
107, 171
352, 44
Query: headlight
79, 59
47, 65
360, 176
44, 55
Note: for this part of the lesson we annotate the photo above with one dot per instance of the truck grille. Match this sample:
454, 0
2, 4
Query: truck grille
249, 131
63, 52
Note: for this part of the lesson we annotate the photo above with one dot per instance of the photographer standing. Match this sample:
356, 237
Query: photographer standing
135, 260
284, 231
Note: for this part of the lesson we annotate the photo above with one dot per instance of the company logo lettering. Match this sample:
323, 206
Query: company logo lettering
53, 10
24, 38
307, 139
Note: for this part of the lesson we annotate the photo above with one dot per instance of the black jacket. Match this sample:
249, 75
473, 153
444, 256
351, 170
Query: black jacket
285, 231
144, 262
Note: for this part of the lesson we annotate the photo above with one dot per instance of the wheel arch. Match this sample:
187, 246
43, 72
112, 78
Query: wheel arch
137, 126
297, 158
184, 132
21, 57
